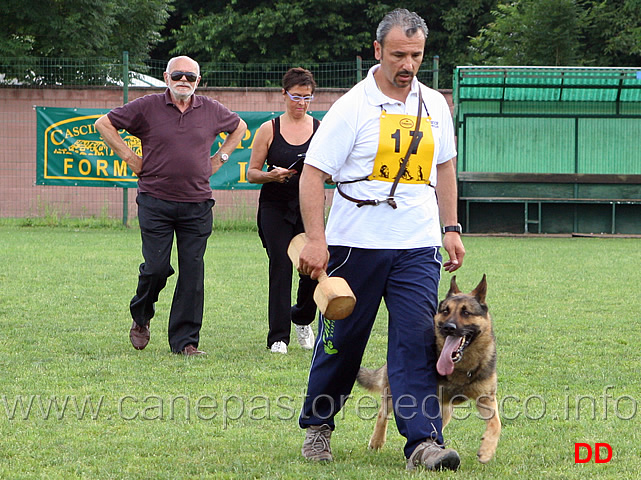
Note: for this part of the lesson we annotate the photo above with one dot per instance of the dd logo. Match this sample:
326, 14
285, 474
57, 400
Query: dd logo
588, 453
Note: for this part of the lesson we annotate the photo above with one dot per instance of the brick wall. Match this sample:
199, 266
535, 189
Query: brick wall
20, 197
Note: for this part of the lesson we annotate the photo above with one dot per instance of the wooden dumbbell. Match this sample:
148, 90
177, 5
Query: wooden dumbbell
333, 296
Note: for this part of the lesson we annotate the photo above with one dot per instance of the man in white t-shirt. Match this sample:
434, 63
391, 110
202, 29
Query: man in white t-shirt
384, 236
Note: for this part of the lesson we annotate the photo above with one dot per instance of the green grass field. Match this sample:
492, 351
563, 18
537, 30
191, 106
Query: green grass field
77, 401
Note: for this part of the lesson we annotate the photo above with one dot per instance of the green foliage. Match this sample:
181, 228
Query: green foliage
561, 32
320, 30
452, 24
180, 12
278, 31
612, 32
462, 32
80, 28
530, 32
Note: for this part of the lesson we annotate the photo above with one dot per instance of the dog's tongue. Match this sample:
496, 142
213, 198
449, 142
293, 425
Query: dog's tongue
445, 365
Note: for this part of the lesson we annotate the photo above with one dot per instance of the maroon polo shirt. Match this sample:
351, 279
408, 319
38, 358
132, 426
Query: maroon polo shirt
176, 146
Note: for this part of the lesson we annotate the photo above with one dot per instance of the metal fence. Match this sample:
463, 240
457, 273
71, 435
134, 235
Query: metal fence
106, 83
105, 72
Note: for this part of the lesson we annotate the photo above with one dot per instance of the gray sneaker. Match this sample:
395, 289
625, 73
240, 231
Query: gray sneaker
305, 336
433, 457
316, 445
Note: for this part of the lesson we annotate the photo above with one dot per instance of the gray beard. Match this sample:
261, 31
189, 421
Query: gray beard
181, 96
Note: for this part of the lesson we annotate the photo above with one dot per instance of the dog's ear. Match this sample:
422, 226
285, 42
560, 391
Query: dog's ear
480, 291
453, 288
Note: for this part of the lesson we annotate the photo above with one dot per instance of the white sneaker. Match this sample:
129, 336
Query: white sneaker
279, 347
305, 336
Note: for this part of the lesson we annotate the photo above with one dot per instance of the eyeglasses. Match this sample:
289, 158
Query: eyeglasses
298, 98
190, 76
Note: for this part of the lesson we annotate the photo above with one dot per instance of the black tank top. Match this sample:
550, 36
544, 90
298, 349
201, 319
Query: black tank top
282, 154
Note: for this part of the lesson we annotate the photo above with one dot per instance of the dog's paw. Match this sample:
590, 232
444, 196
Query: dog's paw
376, 444
485, 455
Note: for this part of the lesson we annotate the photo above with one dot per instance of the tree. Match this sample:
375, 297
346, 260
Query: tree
561, 32
80, 28
280, 31
530, 32
459, 21
318, 30
461, 32
612, 33
179, 14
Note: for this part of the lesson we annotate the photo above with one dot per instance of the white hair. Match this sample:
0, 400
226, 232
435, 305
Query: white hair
182, 57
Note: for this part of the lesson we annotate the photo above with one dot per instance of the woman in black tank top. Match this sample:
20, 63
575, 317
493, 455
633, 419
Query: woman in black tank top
281, 144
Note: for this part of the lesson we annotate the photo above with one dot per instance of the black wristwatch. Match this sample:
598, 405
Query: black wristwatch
452, 228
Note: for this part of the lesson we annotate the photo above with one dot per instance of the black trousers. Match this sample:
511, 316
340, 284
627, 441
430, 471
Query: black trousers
277, 227
191, 223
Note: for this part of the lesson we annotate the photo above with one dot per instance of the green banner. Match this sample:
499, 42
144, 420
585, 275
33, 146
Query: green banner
71, 152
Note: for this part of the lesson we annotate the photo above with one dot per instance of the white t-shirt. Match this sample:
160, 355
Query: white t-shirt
345, 146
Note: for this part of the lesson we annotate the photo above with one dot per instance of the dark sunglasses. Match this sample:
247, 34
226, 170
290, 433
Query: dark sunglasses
190, 76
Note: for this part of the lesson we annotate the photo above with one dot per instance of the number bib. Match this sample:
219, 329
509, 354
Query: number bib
393, 143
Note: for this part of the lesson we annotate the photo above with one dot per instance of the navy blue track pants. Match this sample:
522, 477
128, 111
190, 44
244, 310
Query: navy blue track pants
408, 282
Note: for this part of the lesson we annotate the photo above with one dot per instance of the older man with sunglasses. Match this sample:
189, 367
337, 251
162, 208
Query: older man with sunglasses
177, 130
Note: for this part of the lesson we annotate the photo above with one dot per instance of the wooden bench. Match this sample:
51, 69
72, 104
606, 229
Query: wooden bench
534, 189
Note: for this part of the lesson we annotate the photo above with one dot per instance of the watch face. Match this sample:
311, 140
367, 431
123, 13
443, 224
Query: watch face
224, 157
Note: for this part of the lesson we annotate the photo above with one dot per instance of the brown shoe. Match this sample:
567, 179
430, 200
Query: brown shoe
190, 350
316, 445
139, 336
432, 456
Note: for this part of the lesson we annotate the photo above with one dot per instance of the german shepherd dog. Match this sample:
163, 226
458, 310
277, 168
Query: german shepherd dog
466, 365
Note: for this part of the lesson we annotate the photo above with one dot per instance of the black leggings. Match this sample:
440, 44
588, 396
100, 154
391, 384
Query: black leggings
276, 231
